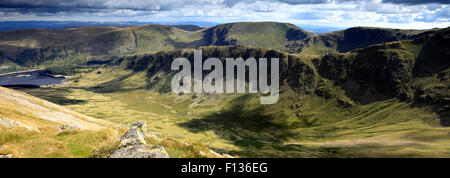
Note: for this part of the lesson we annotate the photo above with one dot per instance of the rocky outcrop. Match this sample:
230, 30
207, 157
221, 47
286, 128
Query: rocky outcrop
134, 136
133, 145
140, 151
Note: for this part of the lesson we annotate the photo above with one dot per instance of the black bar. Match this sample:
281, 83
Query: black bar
308, 168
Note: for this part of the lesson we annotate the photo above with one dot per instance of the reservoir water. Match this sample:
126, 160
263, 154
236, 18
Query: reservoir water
29, 79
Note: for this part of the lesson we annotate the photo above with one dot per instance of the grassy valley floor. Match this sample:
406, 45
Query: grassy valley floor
238, 125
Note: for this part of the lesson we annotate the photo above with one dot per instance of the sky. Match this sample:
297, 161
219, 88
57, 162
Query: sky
404, 14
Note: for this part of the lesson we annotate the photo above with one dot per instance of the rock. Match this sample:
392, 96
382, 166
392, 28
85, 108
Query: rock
133, 145
6, 156
2, 147
202, 154
140, 151
134, 136
141, 125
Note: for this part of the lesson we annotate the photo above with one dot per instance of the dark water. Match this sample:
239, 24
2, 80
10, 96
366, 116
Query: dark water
29, 78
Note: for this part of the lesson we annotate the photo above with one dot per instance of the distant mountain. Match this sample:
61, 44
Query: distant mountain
75, 45
21, 25
191, 28
258, 34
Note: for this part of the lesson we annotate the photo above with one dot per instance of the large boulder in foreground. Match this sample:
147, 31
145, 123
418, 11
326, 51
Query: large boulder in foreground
140, 151
133, 145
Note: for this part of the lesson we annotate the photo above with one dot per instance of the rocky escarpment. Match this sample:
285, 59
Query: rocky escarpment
133, 145
391, 69
295, 71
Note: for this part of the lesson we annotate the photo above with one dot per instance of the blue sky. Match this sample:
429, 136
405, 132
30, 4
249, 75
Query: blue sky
413, 14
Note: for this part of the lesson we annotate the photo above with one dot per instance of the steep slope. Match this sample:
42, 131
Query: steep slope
298, 72
408, 70
376, 73
34, 46
21, 110
412, 70
387, 69
32, 127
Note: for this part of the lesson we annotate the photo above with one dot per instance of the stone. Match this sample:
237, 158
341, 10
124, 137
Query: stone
141, 125
134, 136
133, 145
140, 151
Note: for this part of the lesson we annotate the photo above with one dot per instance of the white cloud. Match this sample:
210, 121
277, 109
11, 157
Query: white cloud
334, 13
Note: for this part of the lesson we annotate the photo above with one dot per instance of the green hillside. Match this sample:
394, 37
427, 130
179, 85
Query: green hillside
386, 100
74, 46
269, 35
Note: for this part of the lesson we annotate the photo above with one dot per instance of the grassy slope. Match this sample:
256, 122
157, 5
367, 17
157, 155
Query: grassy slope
328, 123
239, 125
27, 128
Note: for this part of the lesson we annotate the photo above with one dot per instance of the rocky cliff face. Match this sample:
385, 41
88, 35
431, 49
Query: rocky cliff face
295, 71
388, 68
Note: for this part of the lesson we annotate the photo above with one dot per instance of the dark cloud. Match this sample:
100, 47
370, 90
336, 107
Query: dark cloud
161, 5
58, 5
347, 11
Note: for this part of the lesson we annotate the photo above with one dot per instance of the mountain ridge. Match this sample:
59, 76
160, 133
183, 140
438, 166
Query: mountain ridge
38, 46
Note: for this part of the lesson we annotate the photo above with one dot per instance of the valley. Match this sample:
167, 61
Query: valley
229, 124
360, 92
